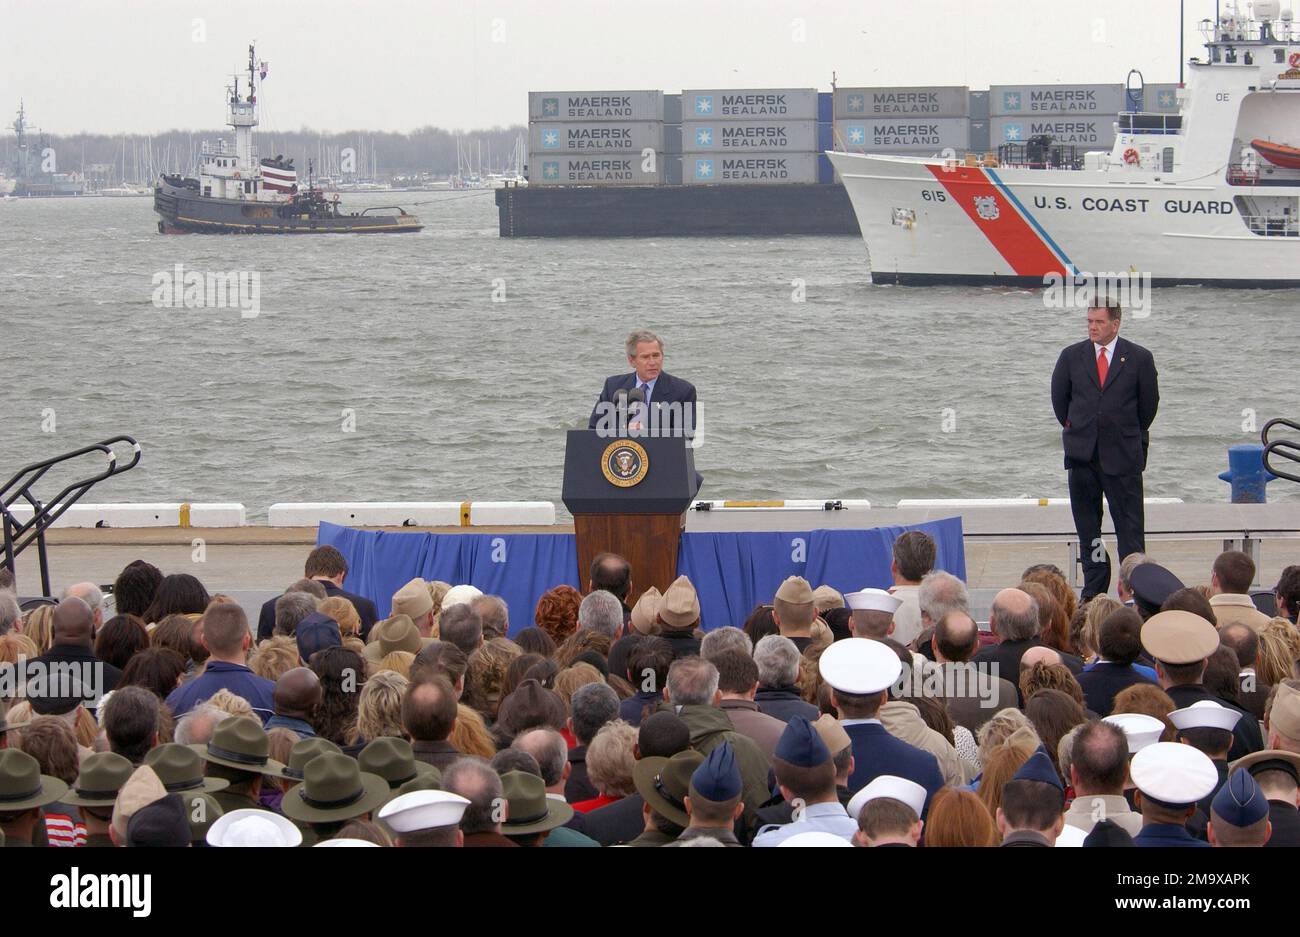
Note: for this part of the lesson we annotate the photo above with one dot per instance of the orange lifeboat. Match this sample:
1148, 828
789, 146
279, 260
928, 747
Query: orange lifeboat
1279, 154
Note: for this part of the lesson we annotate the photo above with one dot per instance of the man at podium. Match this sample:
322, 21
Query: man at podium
647, 402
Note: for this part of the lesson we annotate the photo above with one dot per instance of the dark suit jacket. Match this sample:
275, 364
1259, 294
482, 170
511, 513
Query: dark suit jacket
1104, 681
876, 752
1252, 700
667, 389
579, 786
1286, 824
365, 611
1112, 421
79, 657
439, 754
612, 824
1006, 655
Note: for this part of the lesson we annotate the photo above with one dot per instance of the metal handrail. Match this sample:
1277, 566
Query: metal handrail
20, 536
1288, 449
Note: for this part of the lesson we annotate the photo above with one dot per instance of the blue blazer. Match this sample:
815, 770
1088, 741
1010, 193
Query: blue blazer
1166, 834
668, 389
876, 752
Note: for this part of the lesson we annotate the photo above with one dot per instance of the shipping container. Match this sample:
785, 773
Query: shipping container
1033, 100
979, 136
1160, 99
600, 136
1092, 132
730, 136
748, 168
607, 169
595, 105
825, 106
672, 108
902, 102
673, 138
979, 105
892, 134
750, 104
825, 136
825, 171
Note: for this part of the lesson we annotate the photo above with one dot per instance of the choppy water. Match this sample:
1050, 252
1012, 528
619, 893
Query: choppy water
456, 396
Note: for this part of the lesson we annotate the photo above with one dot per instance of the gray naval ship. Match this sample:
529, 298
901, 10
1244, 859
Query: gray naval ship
238, 193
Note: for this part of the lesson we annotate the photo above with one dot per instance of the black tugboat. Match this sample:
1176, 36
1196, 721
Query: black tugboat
236, 193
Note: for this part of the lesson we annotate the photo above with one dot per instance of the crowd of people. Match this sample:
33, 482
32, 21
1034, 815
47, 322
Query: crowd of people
161, 715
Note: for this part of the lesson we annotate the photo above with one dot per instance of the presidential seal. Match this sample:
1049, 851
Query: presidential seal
624, 463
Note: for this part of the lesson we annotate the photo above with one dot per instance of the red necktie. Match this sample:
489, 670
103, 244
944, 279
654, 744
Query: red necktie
1102, 367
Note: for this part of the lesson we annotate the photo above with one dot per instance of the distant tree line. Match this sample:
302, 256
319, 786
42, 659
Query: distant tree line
431, 150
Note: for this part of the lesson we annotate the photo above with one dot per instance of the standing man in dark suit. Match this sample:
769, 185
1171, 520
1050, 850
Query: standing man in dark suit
1105, 395
327, 566
669, 402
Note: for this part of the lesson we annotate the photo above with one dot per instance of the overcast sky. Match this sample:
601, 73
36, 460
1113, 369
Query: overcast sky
150, 65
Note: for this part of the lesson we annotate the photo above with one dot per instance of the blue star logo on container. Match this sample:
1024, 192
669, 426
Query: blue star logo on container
1010, 101
550, 107
550, 170
856, 135
704, 169
704, 104
1166, 99
1013, 132
704, 136
856, 104
550, 139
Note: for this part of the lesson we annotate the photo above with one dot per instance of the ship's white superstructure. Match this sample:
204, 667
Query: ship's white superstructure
1211, 195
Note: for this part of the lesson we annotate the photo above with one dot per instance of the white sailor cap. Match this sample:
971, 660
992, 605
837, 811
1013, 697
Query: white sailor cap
343, 842
895, 788
872, 600
1140, 729
423, 810
815, 838
1070, 836
859, 666
1205, 714
1173, 773
253, 827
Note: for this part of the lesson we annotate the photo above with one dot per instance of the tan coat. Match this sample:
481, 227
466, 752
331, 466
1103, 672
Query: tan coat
903, 721
1231, 608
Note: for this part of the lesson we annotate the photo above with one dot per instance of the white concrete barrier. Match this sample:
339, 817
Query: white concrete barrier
412, 513
505, 513
1006, 502
146, 514
780, 504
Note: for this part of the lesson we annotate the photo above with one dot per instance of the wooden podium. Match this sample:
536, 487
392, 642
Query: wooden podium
629, 495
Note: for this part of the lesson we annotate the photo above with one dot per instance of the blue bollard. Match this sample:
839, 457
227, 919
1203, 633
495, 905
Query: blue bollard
1246, 473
